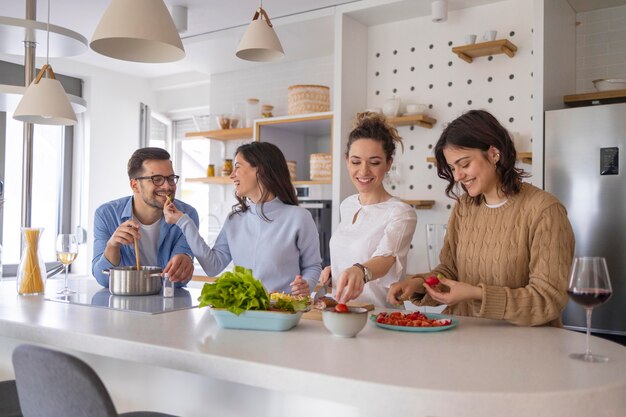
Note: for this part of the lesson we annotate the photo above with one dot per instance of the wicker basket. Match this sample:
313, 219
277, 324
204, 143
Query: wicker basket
308, 99
321, 166
292, 166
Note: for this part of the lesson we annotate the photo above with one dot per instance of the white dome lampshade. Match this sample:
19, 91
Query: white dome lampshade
138, 31
260, 42
45, 102
439, 10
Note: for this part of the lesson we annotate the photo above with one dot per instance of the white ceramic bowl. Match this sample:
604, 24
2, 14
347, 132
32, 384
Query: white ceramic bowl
415, 108
608, 84
345, 324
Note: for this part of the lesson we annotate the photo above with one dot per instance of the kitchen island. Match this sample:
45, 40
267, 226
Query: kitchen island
181, 362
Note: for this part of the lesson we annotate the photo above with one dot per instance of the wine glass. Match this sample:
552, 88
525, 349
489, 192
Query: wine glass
67, 251
589, 286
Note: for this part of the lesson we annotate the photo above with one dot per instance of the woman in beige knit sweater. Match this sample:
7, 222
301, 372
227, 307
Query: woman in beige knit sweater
509, 245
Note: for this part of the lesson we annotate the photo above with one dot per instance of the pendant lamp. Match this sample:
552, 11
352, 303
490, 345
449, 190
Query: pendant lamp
45, 101
260, 42
138, 31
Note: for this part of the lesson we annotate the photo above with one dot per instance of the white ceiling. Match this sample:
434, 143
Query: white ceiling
214, 30
215, 27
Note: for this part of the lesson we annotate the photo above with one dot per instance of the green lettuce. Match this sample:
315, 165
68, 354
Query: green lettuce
236, 292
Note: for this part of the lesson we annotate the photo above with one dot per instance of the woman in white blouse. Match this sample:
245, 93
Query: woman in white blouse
369, 248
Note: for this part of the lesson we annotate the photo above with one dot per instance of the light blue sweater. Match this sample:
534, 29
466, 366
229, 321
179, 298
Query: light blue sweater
275, 251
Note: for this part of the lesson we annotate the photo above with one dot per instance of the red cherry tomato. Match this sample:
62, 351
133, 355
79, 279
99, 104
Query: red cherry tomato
341, 308
432, 281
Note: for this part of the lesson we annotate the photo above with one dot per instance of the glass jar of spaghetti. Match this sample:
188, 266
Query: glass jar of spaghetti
31, 272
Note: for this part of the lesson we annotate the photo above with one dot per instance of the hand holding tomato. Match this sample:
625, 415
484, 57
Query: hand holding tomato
458, 292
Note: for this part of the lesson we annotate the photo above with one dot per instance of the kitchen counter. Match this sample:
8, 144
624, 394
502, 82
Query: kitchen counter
181, 362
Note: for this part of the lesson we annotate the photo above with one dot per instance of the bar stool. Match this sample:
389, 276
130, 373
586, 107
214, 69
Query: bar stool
9, 403
53, 383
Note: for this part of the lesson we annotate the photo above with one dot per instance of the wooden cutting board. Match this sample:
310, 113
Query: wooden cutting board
315, 314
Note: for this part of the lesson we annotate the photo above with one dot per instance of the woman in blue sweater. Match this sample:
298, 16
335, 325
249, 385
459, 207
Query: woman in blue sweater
266, 232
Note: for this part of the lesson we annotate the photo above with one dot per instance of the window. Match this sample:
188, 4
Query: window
51, 187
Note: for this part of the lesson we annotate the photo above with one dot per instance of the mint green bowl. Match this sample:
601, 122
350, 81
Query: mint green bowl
256, 320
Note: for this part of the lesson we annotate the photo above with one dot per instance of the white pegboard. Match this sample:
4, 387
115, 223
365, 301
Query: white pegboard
412, 59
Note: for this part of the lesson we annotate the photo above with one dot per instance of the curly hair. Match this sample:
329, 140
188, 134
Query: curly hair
478, 129
375, 126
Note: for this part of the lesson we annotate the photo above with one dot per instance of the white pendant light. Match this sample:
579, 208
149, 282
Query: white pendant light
45, 101
260, 42
138, 31
439, 11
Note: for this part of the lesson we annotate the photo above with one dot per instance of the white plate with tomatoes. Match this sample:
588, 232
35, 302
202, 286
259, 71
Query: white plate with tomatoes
414, 321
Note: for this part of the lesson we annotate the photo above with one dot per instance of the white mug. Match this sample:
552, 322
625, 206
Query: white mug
490, 35
470, 39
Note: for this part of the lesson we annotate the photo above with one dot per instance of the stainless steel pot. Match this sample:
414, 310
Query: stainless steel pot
127, 280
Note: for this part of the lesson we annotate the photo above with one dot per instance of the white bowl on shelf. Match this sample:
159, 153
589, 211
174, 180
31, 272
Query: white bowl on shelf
609, 84
412, 109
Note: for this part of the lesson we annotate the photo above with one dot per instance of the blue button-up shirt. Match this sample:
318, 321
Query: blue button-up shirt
107, 219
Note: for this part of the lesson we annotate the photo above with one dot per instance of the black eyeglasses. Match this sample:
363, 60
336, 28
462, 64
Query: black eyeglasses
160, 179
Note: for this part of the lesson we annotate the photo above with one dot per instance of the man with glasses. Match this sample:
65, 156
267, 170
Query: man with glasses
140, 216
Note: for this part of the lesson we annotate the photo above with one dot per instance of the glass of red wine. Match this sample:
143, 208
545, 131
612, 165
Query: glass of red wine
589, 286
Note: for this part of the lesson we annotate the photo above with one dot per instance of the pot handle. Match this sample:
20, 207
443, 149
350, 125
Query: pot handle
154, 274
105, 271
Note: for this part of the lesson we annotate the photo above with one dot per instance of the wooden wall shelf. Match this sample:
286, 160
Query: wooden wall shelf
415, 119
222, 134
468, 52
420, 204
311, 182
224, 180
601, 97
525, 157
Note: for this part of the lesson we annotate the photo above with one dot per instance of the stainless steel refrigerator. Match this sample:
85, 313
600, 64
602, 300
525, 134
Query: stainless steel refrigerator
584, 167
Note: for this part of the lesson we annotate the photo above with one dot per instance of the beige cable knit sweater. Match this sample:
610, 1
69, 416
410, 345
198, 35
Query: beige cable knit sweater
520, 254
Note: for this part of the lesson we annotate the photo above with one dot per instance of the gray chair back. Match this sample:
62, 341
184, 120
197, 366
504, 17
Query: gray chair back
52, 383
9, 404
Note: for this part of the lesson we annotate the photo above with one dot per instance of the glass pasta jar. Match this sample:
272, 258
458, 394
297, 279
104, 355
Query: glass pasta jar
31, 272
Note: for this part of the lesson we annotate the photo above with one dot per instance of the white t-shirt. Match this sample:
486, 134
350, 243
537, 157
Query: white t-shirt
149, 242
383, 229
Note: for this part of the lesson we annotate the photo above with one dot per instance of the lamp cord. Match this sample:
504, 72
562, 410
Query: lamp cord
48, 36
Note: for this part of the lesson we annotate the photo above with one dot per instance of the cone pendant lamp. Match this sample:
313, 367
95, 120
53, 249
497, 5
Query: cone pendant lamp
45, 102
260, 42
138, 31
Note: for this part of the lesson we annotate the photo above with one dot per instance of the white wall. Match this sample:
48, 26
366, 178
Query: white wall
600, 46
501, 85
109, 136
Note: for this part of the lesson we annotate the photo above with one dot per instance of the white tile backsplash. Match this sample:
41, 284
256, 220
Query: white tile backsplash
600, 46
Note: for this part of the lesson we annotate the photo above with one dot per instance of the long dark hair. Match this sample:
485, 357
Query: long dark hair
374, 126
478, 129
272, 174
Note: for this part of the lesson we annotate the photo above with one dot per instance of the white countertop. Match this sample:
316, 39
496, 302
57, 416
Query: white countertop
480, 368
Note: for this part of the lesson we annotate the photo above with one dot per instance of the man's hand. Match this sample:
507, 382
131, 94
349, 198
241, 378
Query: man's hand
124, 234
179, 268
